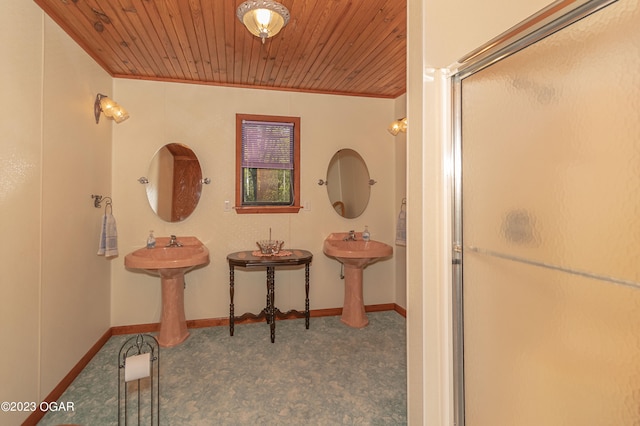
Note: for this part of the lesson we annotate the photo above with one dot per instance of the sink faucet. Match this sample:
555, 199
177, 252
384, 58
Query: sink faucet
351, 237
173, 242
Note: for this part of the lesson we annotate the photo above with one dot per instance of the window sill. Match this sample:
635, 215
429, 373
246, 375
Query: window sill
266, 209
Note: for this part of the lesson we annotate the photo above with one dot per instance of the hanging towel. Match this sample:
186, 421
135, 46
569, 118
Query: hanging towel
108, 237
401, 229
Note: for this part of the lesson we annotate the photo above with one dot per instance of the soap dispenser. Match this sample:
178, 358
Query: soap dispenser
366, 236
151, 240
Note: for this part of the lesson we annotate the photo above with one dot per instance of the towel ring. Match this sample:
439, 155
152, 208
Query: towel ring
108, 205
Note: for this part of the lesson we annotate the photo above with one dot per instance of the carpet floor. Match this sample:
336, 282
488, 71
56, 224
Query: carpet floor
330, 374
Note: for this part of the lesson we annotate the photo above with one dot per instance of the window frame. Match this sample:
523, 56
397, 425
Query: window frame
295, 207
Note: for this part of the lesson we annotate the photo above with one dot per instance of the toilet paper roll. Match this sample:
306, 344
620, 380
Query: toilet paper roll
137, 367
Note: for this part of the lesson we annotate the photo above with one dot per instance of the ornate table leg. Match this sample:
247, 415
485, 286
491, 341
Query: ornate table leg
271, 314
306, 300
231, 312
267, 310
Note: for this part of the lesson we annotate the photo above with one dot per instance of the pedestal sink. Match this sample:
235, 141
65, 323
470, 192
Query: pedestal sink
355, 255
171, 263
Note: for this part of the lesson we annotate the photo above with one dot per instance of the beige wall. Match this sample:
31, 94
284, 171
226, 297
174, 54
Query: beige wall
55, 290
400, 252
20, 191
76, 163
203, 117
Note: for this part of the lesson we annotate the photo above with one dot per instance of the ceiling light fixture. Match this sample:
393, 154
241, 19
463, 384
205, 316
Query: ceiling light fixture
263, 18
109, 108
400, 125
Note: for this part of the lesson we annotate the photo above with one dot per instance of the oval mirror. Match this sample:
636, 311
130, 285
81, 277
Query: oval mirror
175, 182
348, 183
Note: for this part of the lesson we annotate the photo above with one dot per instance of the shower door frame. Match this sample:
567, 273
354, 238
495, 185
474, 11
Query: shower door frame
549, 20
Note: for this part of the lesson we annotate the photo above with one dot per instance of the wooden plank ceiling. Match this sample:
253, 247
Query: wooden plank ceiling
350, 47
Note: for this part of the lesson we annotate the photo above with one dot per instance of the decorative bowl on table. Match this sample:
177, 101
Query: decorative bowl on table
270, 247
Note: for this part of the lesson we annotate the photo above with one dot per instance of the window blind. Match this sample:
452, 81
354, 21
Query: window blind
267, 145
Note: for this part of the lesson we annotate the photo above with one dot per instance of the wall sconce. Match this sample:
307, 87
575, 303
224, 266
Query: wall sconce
263, 18
400, 125
109, 108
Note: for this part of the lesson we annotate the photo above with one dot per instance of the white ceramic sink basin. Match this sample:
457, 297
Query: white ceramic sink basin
192, 253
357, 253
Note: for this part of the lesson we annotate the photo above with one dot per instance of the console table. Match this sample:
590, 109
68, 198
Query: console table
250, 260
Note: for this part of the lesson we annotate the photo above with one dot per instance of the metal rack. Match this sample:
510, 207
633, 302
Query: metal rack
133, 394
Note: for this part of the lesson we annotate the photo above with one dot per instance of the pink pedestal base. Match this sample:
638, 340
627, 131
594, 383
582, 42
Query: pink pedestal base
353, 313
173, 323
355, 254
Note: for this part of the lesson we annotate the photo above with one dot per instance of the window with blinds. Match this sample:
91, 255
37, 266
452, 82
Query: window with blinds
268, 151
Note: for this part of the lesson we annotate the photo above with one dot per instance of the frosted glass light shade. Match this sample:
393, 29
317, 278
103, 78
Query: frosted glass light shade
398, 126
263, 18
119, 114
109, 108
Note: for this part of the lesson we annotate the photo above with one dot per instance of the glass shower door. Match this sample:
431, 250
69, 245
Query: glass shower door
550, 228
